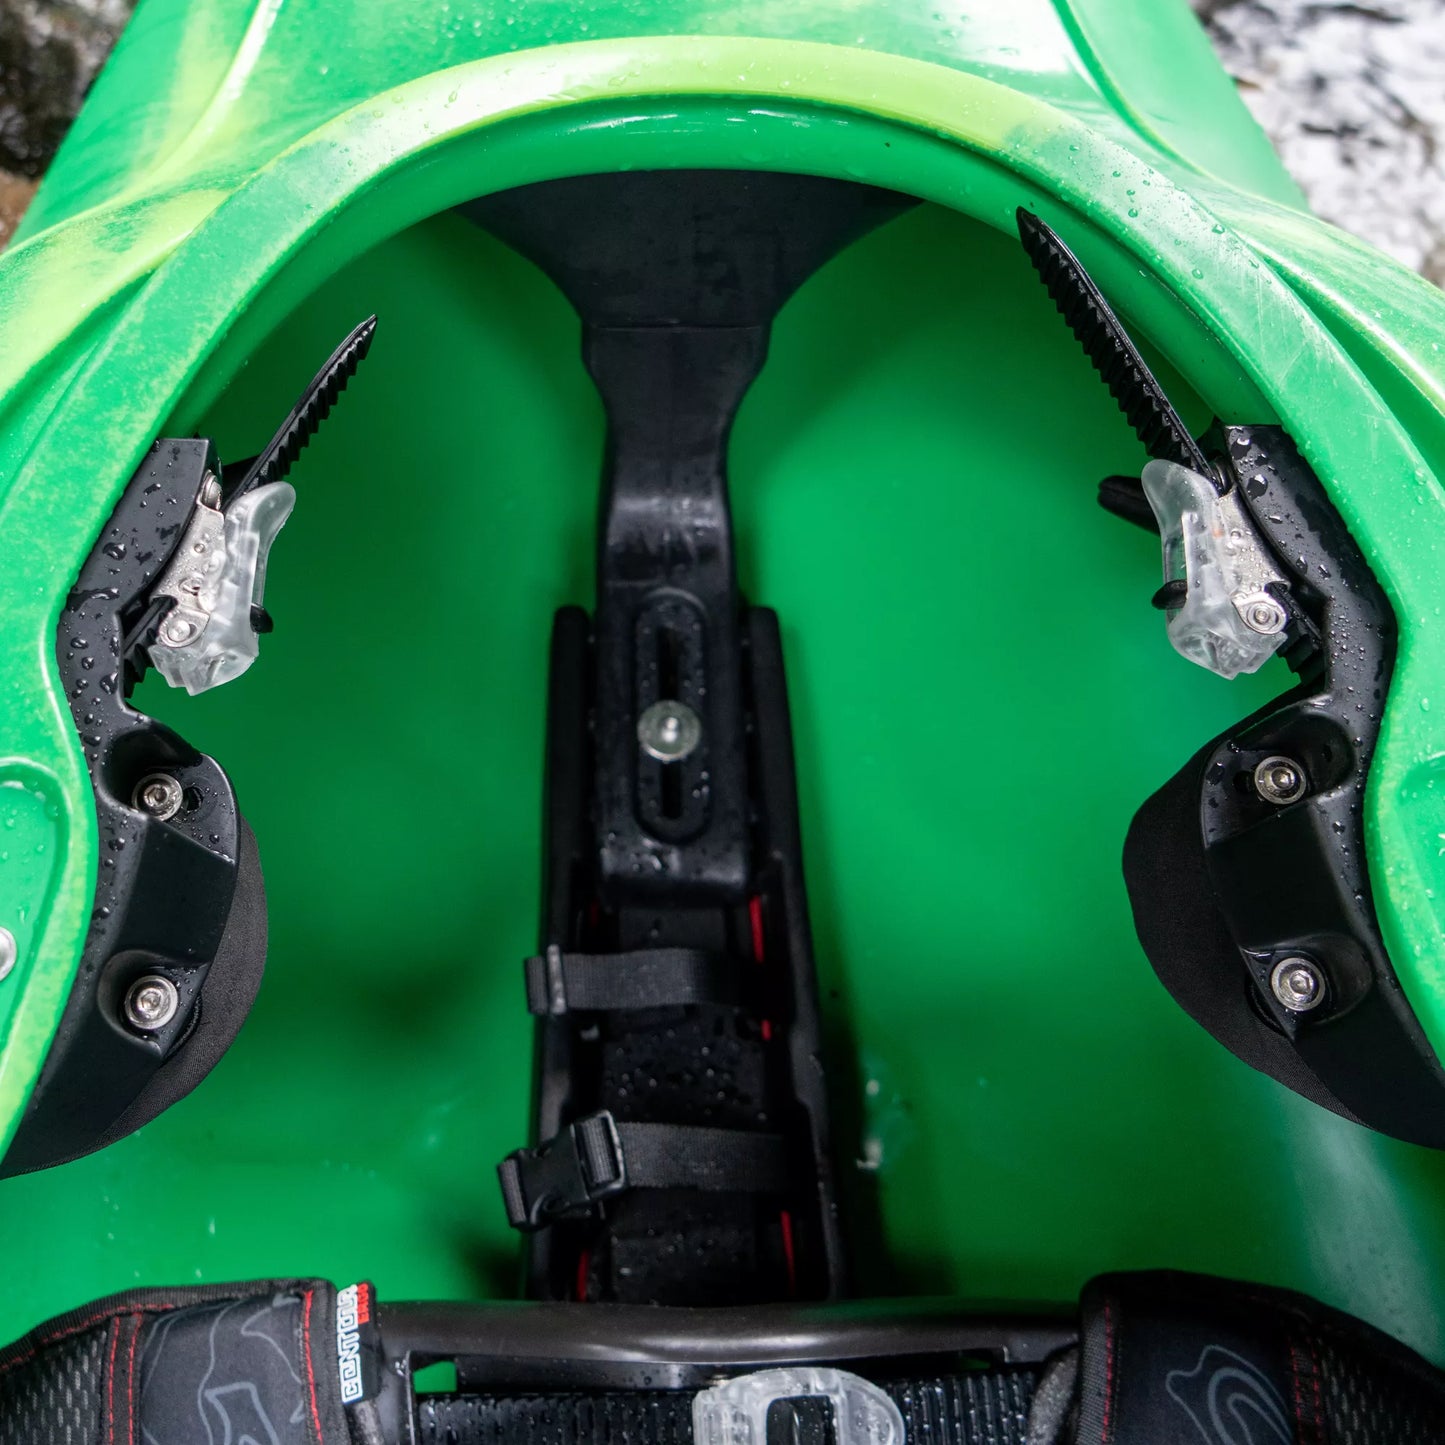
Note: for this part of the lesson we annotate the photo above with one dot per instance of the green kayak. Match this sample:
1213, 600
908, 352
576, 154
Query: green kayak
851, 307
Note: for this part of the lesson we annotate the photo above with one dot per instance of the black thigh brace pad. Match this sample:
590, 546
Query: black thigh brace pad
178, 894
231, 985
84, 1100
1226, 885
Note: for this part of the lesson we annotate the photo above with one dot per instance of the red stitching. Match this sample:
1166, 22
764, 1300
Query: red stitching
130, 1380
55, 1339
1319, 1399
1299, 1404
110, 1385
310, 1374
1296, 1360
1107, 1420
80, 1328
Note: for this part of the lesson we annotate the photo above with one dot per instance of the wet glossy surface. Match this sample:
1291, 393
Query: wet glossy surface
982, 696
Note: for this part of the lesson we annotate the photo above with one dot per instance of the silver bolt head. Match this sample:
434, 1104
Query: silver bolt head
1298, 984
158, 794
669, 731
151, 1003
1261, 613
1280, 781
178, 631
210, 493
8, 952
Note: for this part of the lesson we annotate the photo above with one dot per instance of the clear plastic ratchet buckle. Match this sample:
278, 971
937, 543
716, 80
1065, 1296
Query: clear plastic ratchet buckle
216, 578
736, 1411
1229, 618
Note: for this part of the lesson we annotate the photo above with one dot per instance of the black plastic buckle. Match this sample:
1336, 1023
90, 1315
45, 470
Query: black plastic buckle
566, 1177
547, 983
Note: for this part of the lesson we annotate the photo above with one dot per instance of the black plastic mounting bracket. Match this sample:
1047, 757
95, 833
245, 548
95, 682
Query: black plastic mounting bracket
671, 807
165, 884
1255, 907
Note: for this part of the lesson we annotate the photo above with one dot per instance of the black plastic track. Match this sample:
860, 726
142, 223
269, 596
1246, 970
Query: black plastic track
1114, 356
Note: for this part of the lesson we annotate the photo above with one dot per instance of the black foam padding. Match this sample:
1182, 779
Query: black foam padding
1167, 1356
253, 1362
53, 1396
1055, 1396
693, 1066
235, 1370
226, 998
1186, 938
1361, 1402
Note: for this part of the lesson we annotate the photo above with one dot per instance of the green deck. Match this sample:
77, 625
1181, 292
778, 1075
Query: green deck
913, 478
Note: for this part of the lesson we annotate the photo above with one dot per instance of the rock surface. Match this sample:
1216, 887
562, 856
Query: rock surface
50, 51
1353, 97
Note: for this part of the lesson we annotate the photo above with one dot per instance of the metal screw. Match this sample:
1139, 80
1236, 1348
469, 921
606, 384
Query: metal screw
158, 794
178, 631
1280, 781
151, 1003
669, 731
210, 493
1297, 984
1263, 614
8, 952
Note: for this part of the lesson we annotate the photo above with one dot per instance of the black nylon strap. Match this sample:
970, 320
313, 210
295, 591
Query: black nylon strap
559, 982
597, 1157
689, 1156
984, 1407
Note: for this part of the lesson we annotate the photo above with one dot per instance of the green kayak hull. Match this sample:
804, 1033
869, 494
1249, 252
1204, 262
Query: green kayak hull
1019, 1104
